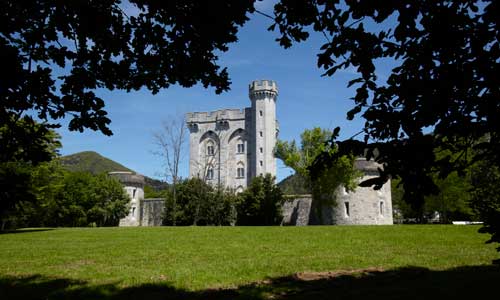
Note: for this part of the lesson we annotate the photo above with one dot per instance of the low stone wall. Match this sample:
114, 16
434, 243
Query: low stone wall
152, 211
364, 206
296, 210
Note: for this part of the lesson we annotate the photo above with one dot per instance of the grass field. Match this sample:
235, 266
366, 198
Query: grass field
246, 262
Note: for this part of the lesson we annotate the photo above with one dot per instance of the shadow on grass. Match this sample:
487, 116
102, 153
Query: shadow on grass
27, 230
471, 282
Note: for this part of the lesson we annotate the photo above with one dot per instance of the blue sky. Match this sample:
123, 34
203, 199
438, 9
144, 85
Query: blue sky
305, 100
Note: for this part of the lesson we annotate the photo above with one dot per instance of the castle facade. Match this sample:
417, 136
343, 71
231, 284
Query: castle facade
229, 147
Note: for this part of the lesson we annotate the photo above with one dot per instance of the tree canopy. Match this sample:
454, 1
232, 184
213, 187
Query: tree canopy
446, 56
442, 93
56, 54
260, 204
324, 183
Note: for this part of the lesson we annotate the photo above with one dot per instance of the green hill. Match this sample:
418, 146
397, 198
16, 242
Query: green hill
293, 185
90, 161
93, 162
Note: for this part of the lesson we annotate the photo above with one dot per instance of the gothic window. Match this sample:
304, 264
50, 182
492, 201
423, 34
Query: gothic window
260, 113
381, 208
261, 150
241, 172
210, 174
261, 163
260, 132
133, 193
346, 207
241, 148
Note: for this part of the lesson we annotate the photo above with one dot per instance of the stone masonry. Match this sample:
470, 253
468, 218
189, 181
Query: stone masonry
143, 212
363, 206
231, 146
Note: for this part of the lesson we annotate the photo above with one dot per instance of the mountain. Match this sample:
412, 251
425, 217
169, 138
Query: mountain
90, 161
93, 162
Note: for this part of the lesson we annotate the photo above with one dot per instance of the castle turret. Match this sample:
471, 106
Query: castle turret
263, 94
134, 186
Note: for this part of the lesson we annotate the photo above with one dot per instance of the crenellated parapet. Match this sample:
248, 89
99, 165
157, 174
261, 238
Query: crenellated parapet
128, 178
262, 88
224, 115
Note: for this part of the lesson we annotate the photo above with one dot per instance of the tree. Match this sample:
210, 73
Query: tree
85, 199
324, 184
17, 163
198, 203
46, 184
443, 76
453, 200
260, 203
15, 180
485, 199
57, 53
446, 57
170, 142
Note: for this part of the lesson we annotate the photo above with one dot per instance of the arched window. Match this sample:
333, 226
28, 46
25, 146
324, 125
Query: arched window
237, 140
240, 170
381, 208
208, 143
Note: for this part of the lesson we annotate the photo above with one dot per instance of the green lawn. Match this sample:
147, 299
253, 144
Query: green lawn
229, 262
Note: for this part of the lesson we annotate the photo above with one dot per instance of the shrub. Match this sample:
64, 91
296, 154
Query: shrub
260, 203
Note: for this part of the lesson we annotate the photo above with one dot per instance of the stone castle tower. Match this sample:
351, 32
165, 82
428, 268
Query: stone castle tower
142, 212
134, 186
229, 147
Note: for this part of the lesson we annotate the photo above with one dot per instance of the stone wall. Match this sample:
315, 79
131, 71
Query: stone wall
152, 211
296, 210
363, 206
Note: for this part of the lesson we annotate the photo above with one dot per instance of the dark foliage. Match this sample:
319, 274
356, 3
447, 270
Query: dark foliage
198, 203
446, 57
260, 203
17, 163
55, 55
486, 199
15, 183
70, 199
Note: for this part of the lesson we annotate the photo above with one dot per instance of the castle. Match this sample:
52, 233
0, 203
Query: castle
229, 147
